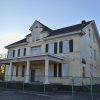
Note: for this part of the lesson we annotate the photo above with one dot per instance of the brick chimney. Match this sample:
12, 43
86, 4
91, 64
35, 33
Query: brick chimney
83, 22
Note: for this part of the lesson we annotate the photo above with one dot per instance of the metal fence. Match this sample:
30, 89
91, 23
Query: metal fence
76, 87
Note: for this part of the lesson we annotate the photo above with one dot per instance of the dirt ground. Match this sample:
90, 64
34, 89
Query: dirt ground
18, 95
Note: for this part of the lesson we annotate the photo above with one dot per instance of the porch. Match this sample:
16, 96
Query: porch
44, 69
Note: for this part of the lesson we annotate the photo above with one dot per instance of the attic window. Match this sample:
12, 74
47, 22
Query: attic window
94, 38
89, 33
36, 27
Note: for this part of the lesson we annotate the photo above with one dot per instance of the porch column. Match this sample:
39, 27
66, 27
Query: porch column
46, 71
10, 69
28, 72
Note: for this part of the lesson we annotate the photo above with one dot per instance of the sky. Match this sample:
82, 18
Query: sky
17, 16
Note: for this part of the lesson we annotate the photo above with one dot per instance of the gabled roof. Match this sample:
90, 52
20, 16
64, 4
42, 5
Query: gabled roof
64, 30
68, 29
18, 42
45, 28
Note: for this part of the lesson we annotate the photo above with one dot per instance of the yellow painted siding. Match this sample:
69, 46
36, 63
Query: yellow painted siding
81, 44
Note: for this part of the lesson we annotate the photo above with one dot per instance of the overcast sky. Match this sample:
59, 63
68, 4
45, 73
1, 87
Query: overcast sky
16, 16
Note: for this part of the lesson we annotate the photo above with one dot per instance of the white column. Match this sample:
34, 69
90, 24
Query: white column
46, 71
28, 72
10, 69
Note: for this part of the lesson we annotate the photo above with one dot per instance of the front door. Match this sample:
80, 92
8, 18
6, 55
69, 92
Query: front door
32, 75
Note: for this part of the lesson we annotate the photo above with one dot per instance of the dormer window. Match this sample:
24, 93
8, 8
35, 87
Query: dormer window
37, 36
36, 27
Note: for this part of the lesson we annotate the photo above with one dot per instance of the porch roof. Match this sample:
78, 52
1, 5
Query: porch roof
33, 58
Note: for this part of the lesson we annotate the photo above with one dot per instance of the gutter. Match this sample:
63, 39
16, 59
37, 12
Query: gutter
16, 45
65, 34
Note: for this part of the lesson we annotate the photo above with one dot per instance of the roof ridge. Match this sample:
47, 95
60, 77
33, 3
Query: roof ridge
44, 25
71, 26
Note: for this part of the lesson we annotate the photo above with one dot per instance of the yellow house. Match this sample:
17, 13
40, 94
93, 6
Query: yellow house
52, 56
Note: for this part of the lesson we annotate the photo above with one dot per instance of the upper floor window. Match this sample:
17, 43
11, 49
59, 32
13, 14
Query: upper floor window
46, 48
36, 50
24, 54
71, 45
51, 48
60, 47
64, 47
13, 53
35, 36
94, 37
89, 33
94, 54
18, 52
55, 48
90, 52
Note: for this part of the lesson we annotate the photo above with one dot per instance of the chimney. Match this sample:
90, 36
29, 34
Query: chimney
83, 22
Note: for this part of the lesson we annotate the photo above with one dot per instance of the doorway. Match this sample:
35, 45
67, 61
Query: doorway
32, 75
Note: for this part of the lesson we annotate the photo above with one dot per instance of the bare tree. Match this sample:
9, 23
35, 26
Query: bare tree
2, 56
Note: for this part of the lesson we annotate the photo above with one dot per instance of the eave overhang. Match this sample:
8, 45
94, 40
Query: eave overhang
33, 58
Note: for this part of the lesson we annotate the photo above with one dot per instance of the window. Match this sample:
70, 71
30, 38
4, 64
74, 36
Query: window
94, 54
60, 70
91, 70
83, 70
65, 46
60, 47
91, 52
89, 33
71, 45
18, 52
10, 53
51, 48
16, 71
46, 49
55, 48
23, 70
36, 50
24, 52
65, 69
55, 70
21, 52
13, 53
93, 37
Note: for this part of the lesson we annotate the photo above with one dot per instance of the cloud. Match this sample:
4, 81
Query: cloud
8, 39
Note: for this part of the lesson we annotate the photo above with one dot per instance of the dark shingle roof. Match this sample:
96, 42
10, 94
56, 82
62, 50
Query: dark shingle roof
58, 31
18, 42
45, 28
69, 29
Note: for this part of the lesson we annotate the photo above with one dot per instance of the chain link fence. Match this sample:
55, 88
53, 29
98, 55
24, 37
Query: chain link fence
77, 88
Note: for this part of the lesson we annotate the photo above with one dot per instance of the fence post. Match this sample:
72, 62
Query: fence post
44, 88
91, 89
6, 85
72, 88
23, 86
